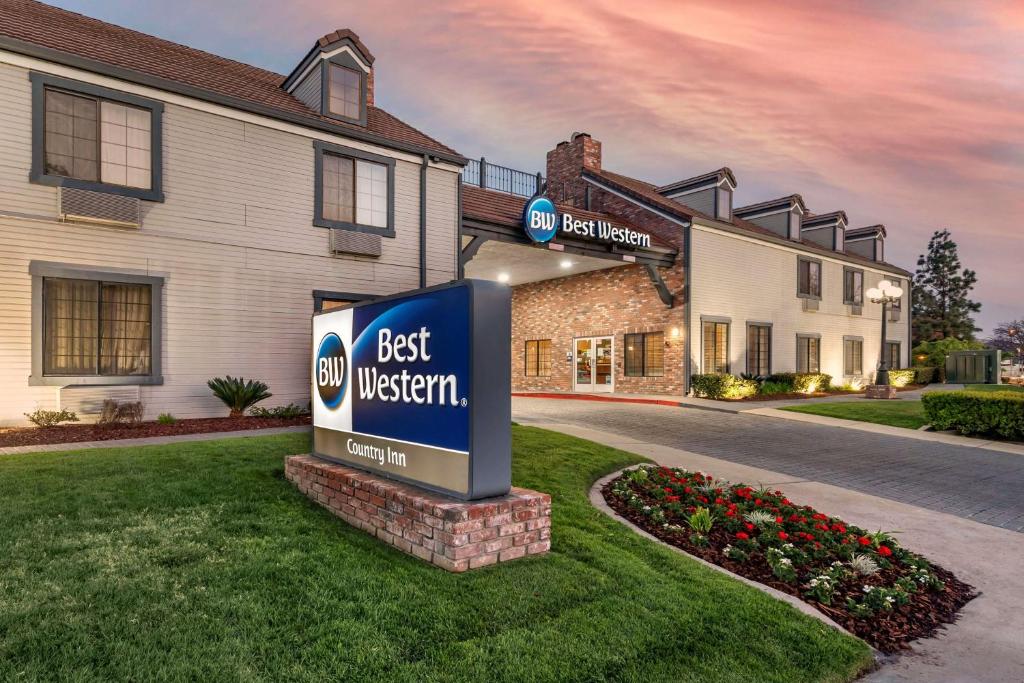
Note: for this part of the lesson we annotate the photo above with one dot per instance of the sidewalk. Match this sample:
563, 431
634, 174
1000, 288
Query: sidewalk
986, 644
151, 440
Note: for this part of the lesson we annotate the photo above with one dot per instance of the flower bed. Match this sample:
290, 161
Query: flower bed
33, 436
863, 581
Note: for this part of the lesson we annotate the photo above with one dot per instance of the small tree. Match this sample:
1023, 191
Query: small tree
941, 307
1009, 338
238, 394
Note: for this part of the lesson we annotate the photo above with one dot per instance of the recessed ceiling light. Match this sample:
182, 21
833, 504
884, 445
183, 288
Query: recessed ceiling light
502, 277
566, 263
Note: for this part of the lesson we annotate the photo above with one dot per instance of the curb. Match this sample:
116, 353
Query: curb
598, 501
606, 399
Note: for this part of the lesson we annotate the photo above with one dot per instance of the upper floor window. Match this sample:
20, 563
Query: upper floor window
808, 278
644, 355
898, 303
853, 287
92, 138
345, 92
354, 190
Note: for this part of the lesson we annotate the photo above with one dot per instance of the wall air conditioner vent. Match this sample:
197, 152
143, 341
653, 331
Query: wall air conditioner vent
349, 242
810, 304
86, 206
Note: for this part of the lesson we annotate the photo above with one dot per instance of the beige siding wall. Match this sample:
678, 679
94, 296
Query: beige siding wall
747, 280
234, 240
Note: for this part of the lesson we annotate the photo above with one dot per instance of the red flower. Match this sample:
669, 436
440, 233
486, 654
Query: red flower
818, 516
750, 527
719, 501
864, 540
672, 499
687, 490
742, 535
884, 551
730, 513
668, 489
779, 520
783, 535
785, 501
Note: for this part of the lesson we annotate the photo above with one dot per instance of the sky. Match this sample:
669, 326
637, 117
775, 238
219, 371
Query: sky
906, 113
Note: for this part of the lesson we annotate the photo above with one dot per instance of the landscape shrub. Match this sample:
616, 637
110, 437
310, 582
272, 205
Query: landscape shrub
924, 374
166, 419
901, 378
933, 354
50, 418
769, 388
999, 413
292, 410
238, 394
802, 382
715, 385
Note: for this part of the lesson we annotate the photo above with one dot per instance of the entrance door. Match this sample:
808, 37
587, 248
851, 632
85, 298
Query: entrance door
594, 359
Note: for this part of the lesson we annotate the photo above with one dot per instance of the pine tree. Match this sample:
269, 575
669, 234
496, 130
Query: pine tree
941, 306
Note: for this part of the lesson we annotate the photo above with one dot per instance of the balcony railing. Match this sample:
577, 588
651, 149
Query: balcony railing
501, 178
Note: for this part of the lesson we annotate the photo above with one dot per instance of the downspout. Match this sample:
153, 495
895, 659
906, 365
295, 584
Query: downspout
687, 307
460, 268
423, 221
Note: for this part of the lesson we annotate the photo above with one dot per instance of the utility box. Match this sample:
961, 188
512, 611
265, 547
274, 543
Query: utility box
973, 367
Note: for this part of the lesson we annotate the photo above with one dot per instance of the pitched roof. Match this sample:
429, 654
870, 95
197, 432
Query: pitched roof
501, 208
26, 25
687, 183
648, 194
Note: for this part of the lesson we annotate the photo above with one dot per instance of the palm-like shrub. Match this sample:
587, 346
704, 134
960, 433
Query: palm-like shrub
238, 394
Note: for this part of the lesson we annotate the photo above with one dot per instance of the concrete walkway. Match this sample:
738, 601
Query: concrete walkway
151, 440
985, 645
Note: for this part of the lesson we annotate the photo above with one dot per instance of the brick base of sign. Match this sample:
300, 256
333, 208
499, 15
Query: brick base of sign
880, 391
452, 534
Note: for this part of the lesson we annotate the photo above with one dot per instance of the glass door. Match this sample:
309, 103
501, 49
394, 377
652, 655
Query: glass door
594, 359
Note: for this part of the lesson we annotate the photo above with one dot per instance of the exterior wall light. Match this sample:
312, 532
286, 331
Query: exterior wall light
675, 332
885, 293
566, 263
503, 277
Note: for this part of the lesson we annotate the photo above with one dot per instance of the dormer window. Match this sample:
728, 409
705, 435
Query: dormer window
344, 97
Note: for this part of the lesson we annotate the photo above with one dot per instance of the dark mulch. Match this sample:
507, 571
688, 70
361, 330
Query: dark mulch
889, 632
73, 433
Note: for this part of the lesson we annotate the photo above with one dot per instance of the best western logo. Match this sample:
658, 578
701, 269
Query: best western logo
540, 220
331, 370
407, 387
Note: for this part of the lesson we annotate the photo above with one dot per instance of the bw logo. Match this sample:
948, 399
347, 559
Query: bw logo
331, 370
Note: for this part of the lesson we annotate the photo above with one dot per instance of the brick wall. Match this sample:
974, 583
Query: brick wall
454, 535
611, 302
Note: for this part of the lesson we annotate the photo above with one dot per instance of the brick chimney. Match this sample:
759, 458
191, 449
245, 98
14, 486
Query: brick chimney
565, 165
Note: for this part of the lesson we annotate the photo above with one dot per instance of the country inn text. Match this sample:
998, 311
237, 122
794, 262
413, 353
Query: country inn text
168, 216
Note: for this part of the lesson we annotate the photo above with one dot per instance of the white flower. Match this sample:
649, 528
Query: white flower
868, 589
786, 561
813, 583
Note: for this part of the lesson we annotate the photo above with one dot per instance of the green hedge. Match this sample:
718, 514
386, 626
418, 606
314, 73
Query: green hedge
802, 382
925, 375
722, 386
998, 413
901, 378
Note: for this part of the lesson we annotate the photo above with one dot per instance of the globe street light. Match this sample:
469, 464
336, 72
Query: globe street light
885, 293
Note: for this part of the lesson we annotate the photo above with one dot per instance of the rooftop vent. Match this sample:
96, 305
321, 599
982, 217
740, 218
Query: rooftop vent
711, 193
868, 242
783, 216
827, 230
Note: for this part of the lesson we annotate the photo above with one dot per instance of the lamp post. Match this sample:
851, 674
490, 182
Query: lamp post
885, 293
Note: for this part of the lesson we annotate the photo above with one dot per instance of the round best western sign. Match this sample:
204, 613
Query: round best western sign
417, 387
542, 222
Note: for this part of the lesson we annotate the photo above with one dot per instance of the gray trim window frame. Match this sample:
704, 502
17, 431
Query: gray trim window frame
897, 305
889, 343
40, 83
821, 277
847, 300
728, 340
771, 343
859, 340
322, 295
806, 336
319, 149
345, 61
45, 269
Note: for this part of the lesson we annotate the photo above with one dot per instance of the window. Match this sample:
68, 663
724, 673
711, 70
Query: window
97, 328
892, 355
808, 278
345, 92
716, 347
96, 139
538, 358
853, 287
644, 355
808, 354
759, 349
853, 356
354, 190
898, 303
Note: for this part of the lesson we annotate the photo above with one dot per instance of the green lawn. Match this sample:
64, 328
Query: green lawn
898, 413
993, 387
198, 561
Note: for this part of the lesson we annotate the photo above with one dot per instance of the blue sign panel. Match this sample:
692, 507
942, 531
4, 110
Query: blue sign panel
417, 387
540, 219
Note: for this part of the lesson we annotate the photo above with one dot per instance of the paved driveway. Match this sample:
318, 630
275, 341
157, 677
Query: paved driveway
981, 485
